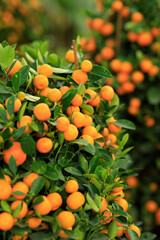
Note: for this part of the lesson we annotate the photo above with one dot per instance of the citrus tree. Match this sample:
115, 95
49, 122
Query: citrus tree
125, 37
63, 164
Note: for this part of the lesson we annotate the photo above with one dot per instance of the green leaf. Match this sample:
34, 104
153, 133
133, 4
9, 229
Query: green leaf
22, 111
3, 88
5, 206
125, 124
125, 151
124, 141
6, 56
87, 108
80, 142
51, 173
37, 185
73, 171
23, 72
112, 230
99, 236
67, 98
38, 200
89, 148
119, 212
44, 47
133, 235
148, 236
92, 203
12, 165
81, 89
10, 105
16, 81
17, 210
93, 163
83, 162
60, 137
3, 115
61, 70
100, 72
39, 167
31, 97
121, 163
115, 100
28, 144
153, 95
17, 133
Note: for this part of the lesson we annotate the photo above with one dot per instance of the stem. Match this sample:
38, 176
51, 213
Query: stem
75, 53
118, 33
4, 235
58, 152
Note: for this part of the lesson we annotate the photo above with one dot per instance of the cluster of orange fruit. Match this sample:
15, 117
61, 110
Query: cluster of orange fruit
74, 123
14, 15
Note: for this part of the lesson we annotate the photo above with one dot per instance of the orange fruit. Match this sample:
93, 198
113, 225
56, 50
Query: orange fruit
62, 234
126, 67
42, 112
112, 127
103, 204
125, 12
128, 87
88, 120
144, 39
97, 24
117, 6
15, 151
112, 138
132, 37
108, 218
45, 130
44, 145
5, 189
95, 102
105, 132
78, 119
122, 77
24, 208
79, 76
25, 120
150, 122
136, 102
70, 56
20, 187
18, 237
75, 200
71, 186
151, 206
44, 91
98, 59
153, 186
6, 221
34, 222
66, 219
123, 203
7, 178
107, 93
137, 77
89, 130
133, 228
15, 68
64, 89
55, 200
145, 65
40, 82
155, 31
72, 109
77, 100
29, 179
157, 217
133, 110
17, 104
86, 66
115, 65
63, 124
71, 133
45, 70
107, 29
121, 193
98, 135
137, 17
21, 96
54, 95
88, 138
44, 207
154, 70
132, 181
107, 53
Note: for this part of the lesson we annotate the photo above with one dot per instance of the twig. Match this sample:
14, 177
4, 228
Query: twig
75, 53
118, 33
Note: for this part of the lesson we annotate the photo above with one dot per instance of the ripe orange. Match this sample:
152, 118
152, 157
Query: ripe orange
88, 138
144, 39
137, 77
15, 151
63, 124
132, 37
105, 132
123, 203
136, 102
72, 109
128, 87
125, 12
149, 122
21, 95
44, 91
88, 120
145, 65
157, 217
137, 17
132, 181
93, 95
18, 237
78, 119
40, 82
126, 67
45, 130
153, 186
115, 65
24, 208
86, 66
134, 228
6, 221
5, 189
121, 193
112, 138
133, 110
44, 207
77, 100
25, 120
155, 31
108, 218
117, 6
151, 206
17, 104
112, 127
7, 178
29, 179
44, 145
54, 95
75, 200
66, 219
107, 53
79, 76
62, 234
42, 112
71, 186
107, 93
15, 68
103, 204
71, 133
107, 29
97, 24
34, 222
70, 56
154, 70
89, 130
122, 77
64, 89
20, 187
98, 59
98, 135
45, 70
55, 200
